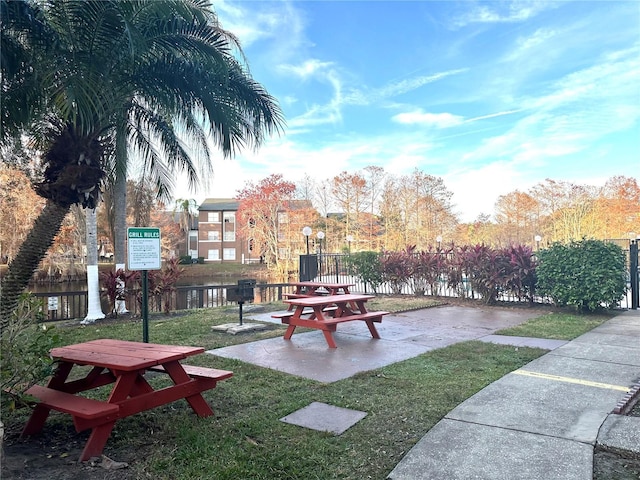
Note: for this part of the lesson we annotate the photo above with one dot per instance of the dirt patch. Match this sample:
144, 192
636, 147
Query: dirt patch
54, 454
618, 465
613, 465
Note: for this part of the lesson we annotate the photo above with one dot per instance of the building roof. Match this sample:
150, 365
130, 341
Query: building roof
218, 205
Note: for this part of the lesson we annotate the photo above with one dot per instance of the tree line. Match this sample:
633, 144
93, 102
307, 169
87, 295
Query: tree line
379, 211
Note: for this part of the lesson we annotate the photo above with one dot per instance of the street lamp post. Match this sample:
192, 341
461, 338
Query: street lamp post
439, 241
537, 238
306, 231
320, 236
349, 240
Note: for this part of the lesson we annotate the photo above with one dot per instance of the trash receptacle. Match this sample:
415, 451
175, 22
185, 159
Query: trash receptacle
308, 267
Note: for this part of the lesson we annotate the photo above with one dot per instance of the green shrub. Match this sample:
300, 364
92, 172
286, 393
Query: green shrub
24, 347
366, 266
185, 260
587, 275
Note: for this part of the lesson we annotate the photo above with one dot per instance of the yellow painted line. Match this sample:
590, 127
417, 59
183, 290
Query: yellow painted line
571, 380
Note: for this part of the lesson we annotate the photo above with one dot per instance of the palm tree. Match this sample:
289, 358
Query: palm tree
93, 73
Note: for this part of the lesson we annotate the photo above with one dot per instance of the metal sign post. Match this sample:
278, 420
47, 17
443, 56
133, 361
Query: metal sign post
634, 274
144, 254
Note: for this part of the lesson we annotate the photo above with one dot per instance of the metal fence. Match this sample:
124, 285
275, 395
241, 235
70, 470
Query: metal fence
73, 305
330, 268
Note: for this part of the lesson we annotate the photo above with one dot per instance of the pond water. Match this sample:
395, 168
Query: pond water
81, 286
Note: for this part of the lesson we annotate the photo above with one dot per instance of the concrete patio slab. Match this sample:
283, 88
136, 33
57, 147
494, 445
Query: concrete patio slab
325, 418
542, 405
584, 369
403, 336
621, 432
454, 450
600, 352
618, 340
626, 329
307, 355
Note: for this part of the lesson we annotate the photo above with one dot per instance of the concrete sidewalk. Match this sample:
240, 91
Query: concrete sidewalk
543, 420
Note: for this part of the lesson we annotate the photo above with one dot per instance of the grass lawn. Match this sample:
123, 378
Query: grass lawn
556, 326
246, 440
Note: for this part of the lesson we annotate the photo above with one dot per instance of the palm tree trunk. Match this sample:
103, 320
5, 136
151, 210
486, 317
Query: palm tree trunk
120, 218
120, 229
94, 309
31, 253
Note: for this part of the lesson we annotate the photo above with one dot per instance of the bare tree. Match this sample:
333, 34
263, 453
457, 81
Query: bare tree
375, 177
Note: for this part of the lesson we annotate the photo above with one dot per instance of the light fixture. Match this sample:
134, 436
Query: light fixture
306, 231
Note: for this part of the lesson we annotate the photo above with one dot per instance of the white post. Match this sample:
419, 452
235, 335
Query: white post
121, 305
94, 309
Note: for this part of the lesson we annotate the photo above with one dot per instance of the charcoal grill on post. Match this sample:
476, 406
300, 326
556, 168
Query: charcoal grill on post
242, 293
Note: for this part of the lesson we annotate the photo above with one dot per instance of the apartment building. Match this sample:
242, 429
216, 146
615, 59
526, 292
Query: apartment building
218, 233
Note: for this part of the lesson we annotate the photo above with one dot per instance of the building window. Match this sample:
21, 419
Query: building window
283, 218
213, 235
213, 254
229, 227
213, 217
229, 254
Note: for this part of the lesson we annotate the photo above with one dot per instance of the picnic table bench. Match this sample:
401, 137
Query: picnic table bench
122, 364
325, 312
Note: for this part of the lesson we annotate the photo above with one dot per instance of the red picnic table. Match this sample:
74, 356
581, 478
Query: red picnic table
309, 289
324, 312
321, 288
122, 364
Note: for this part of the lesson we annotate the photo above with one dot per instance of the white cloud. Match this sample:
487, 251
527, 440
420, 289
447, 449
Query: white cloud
443, 120
477, 189
438, 120
367, 96
277, 23
308, 68
527, 48
503, 12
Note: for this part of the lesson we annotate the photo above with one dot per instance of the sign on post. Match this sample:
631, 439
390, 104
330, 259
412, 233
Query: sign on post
143, 248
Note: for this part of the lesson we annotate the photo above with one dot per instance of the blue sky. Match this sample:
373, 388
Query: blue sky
490, 96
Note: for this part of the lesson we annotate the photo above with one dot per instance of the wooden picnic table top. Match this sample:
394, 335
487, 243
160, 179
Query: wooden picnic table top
121, 354
328, 299
322, 284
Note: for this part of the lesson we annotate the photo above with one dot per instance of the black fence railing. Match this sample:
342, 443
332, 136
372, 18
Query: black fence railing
73, 305
330, 268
